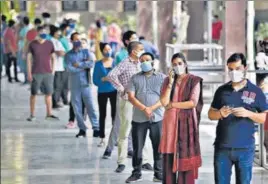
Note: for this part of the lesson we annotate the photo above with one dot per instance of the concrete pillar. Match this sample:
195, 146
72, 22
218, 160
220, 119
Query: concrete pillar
165, 28
144, 26
196, 28
234, 30
235, 27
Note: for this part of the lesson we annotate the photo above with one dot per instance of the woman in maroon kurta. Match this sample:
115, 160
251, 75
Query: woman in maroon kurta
182, 97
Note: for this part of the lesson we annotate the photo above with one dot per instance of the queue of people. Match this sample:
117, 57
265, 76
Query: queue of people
142, 100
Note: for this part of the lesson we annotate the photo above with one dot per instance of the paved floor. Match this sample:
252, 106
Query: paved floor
43, 152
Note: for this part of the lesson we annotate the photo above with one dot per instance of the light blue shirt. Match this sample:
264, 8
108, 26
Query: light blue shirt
78, 75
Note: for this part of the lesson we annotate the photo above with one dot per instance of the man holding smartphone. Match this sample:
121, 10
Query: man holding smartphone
235, 142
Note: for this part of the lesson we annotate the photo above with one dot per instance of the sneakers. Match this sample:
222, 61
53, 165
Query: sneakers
147, 167
120, 168
102, 143
96, 133
107, 154
158, 178
81, 133
134, 178
31, 118
70, 125
52, 117
130, 154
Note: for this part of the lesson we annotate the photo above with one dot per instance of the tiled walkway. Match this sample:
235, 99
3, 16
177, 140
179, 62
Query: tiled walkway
43, 152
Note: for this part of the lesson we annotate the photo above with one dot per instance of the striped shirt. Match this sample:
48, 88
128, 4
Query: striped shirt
147, 90
121, 75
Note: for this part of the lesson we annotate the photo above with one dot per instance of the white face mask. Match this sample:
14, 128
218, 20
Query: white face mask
179, 69
47, 20
236, 76
140, 53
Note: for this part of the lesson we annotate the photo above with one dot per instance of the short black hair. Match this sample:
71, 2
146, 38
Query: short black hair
149, 54
98, 23
26, 21
216, 16
3, 18
45, 15
37, 21
102, 45
127, 35
53, 30
132, 46
141, 38
11, 23
72, 35
237, 57
39, 28
63, 26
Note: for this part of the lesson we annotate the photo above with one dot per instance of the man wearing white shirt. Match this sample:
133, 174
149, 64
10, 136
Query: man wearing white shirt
61, 76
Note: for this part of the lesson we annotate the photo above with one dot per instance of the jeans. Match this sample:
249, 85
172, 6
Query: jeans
102, 100
61, 80
71, 111
225, 158
87, 98
11, 59
139, 132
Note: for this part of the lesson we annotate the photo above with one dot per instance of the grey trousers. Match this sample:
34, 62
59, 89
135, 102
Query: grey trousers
115, 131
61, 87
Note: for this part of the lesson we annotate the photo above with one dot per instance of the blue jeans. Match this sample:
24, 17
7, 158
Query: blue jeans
225, 158
87, 98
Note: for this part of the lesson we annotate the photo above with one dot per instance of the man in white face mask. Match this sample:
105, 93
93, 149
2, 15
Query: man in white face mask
237, 105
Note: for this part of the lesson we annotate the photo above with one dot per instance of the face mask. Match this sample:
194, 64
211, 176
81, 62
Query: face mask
76, 44
236, 76
72, 26
146, 66
140, 53
43, 36
107, 54
179, 69
47, 20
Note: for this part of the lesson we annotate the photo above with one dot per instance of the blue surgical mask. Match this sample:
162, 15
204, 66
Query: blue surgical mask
43, 36
77, 44
146, 66
72, 26
107, 54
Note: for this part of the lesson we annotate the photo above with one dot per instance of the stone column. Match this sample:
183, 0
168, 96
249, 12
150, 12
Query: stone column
235, 27
144, 14
196, 28
165, 28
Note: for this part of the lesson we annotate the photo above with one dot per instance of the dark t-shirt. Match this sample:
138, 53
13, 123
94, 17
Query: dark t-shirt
41, 56
234, 132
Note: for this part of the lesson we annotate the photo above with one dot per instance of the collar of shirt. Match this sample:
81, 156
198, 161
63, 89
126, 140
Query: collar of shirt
243, 88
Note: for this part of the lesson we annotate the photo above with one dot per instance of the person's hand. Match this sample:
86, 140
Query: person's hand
30, 77
104, 79
225, 111
76, 65
171, 76
241, 112
148, 111
169, 106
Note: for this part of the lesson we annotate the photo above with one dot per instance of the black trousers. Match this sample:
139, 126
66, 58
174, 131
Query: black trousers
61, 81
102, 100
139, 132
11, 59
71, 111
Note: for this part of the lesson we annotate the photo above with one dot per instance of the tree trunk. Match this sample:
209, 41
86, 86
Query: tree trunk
144, 12
165, 28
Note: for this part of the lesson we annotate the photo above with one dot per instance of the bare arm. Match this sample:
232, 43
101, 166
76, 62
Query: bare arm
29, 66
135, 102
214, 114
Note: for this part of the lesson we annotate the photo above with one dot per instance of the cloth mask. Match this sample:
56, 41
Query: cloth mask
236, 76
77, 44
179, 69
43, 36
140, 53
107, 54
146, 66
